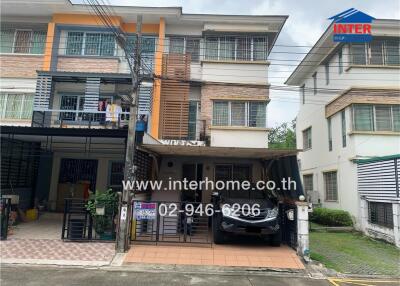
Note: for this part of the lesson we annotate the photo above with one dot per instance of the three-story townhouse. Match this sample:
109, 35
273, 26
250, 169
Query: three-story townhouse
348, 127
202, 103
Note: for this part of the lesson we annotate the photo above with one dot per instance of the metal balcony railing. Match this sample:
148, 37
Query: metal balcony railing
79, 119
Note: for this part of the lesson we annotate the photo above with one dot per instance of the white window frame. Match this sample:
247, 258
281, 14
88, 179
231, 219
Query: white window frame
367, 48
303, 133
374, 127
82, 54
247, 113
325, 189
24, 95
251, 38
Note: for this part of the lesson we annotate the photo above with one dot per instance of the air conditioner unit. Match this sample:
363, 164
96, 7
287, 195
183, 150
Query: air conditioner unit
313, 197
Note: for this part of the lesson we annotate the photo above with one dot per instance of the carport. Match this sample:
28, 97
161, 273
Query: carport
154, 243
36, 168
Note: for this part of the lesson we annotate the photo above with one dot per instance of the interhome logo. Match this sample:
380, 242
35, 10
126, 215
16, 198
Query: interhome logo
352, 26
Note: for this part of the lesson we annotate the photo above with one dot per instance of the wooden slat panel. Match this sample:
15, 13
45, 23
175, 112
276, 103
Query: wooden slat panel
175, 97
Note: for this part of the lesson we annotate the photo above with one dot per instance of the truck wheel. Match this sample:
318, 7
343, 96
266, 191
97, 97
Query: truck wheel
218, 235
276, 239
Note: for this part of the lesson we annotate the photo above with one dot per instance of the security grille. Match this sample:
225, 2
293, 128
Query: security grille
330, 182
380, 214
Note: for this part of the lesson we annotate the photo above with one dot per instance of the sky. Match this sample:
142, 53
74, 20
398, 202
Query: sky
307, 21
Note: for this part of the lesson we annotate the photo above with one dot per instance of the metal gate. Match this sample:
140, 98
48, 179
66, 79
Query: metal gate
80, 225
288, 223
170, 222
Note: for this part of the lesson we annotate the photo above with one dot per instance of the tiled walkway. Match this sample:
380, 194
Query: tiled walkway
38, 242
52, 251
217, 255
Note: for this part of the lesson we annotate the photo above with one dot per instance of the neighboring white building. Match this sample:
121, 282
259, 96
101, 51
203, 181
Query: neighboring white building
349, 114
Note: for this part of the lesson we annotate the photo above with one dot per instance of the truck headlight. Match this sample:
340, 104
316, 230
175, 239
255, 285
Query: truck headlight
272, 213
228, 210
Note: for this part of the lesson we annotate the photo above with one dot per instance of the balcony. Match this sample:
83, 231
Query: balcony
87, 100
67, 118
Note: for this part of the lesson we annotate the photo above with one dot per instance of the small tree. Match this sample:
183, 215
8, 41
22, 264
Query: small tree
283, 136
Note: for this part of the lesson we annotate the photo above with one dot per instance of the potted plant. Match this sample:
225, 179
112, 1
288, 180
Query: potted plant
103, 206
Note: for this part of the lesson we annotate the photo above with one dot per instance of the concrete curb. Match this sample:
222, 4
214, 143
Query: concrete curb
9, 261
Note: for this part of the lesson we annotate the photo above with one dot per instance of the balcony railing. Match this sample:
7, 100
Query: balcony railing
79, 119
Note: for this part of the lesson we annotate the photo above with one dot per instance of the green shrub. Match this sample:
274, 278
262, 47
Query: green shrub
331, 217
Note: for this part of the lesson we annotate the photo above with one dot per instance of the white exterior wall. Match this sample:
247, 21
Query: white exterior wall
231, 72
243, 137
319, 159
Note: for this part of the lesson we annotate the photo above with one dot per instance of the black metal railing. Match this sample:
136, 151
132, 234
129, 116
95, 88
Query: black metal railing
5, 209
79, 119
169, 222
80, 225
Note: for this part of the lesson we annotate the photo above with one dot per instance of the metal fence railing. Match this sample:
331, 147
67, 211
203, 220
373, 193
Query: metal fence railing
79, 119
169, 222
80, 225
5, 209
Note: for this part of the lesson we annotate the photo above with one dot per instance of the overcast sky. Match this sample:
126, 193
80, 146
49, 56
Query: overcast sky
307, 21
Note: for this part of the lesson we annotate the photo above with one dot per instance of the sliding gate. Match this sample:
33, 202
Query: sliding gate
176, 222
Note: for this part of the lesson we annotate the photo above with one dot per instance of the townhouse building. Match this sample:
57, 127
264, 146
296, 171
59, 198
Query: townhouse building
348, 126
202, 102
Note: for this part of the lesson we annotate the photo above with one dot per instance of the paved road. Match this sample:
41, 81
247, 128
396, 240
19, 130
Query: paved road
61, 276
35, 276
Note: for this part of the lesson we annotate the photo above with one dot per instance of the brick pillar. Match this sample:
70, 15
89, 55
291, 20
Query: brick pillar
396, 223
303, 248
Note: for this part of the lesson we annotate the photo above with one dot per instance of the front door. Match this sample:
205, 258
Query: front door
192, 172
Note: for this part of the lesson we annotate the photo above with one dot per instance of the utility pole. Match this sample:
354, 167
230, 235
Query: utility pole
130, 169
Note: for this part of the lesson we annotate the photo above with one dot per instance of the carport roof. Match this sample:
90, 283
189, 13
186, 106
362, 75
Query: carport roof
208, 151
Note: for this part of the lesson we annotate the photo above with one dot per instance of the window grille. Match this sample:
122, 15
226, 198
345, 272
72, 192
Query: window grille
383, 118
344, 137
16, 106
381, 51
236, 48
368, 117
257, 114
330, 182
380, 214
363, 117
308, 183
307, 143
238, 117
239, 113
220, 114
74, 43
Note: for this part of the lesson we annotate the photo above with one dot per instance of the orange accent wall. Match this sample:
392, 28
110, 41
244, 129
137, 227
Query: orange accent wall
49, 46
83, 19
155, 117
146, 28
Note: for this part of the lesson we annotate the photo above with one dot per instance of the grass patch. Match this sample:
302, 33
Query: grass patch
354, 253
